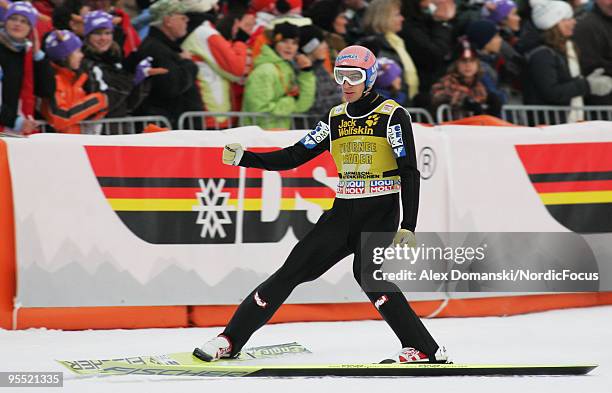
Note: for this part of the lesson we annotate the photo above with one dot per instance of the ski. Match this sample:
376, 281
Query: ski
181, 359
340, 370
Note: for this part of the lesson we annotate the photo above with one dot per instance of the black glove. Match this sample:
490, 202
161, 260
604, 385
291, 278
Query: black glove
470, 105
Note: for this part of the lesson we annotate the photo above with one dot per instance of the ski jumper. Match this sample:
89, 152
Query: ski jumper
372, 145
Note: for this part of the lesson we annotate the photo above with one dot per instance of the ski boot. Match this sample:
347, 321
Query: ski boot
413, 355
217, 348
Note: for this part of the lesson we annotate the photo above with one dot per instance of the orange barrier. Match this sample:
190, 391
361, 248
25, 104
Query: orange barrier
80, 318
476, 307
7, 242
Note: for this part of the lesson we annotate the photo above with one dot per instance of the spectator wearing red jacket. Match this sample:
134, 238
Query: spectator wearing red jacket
220, 62
72, 102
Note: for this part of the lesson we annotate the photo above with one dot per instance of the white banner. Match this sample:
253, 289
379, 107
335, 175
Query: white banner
156, 219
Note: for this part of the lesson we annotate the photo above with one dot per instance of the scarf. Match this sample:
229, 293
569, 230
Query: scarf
26, 95
411, 76
574, 67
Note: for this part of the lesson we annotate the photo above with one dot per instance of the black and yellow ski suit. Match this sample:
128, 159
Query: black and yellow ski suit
372, 144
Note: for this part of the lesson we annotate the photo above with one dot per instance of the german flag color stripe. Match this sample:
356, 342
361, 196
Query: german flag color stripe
189, 193
566, 157
566, 198
155, 182
162, 161
171, 195
574, 182
572, 186
575, 176
178, 205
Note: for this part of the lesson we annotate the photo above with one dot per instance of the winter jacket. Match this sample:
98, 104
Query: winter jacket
132, 39
44, 23
428, 42
111, 74
72, 103
175, 92
548, 79
220, 62
461, 97
328, 92
12, 69
272, 87
593, 37
490, 77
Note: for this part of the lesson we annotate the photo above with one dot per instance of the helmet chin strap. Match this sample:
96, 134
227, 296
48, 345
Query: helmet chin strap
366, 92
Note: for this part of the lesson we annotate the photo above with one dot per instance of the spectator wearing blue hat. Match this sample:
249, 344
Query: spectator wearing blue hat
73, 100
484, 37
505, 15
24, 71
122, 81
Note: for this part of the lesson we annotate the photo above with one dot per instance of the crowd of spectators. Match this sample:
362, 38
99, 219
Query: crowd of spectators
65, 61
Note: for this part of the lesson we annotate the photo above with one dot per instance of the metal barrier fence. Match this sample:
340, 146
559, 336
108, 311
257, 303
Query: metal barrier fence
298, 121
420, 115
534, 115
444, 113
116, 126
527, 115
224, 120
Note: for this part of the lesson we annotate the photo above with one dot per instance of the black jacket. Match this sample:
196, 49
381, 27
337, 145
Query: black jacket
428, 42
12, 63
116, 76
548, 78
175, 92
593, 37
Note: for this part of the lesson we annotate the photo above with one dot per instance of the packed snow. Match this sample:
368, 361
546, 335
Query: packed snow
560, 337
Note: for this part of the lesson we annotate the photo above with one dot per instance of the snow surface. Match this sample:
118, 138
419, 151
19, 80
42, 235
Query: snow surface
565, 336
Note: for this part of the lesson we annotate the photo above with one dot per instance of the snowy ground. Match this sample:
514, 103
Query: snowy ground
568, 336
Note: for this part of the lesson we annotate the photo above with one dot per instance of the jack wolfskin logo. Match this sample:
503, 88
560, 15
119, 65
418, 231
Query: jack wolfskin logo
372, 120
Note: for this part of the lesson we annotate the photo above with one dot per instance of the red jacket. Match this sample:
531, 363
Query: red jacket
132, 39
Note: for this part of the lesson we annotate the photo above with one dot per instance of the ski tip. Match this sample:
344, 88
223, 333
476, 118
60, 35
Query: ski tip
198, 353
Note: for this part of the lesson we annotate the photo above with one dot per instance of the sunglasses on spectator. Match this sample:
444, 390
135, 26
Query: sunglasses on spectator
353, 76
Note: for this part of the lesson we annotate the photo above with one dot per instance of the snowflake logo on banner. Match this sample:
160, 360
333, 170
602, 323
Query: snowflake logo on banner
213, 209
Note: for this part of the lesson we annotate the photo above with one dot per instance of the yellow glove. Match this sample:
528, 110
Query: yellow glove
404, 237
232, 153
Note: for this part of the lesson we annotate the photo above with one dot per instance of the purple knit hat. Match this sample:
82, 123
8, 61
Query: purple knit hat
501, 11
24, 9
61, 43
95, 20
388, 71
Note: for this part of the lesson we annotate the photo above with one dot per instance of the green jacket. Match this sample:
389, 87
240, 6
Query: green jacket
267, 86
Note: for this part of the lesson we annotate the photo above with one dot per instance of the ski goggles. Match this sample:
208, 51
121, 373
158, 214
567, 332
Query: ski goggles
353, 76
